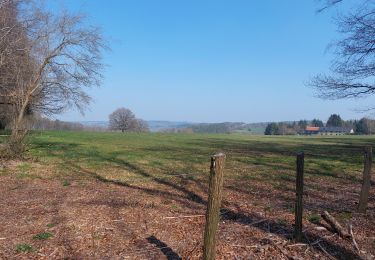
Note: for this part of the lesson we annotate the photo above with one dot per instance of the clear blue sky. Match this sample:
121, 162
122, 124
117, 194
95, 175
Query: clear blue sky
213, 60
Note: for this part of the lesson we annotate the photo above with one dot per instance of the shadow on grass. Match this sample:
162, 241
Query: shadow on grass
330, 149
264, 224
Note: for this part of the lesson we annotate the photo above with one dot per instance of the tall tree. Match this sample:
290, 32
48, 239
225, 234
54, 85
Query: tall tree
317, 122
12, 62
365, 126
271, 129
123, 119
61, 57
335, 120
353, 69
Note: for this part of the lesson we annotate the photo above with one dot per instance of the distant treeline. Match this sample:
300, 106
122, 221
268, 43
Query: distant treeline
42, 123
35, 122
363, 126
220, 128
125, 122
225, 127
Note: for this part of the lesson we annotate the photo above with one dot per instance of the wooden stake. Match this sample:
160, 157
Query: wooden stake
366, 181
299, 197
213, 206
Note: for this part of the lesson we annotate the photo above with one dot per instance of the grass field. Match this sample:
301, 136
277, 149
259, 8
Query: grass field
165, 155
143, 178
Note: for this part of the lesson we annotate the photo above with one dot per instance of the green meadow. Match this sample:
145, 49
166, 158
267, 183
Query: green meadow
142, 157
144, 177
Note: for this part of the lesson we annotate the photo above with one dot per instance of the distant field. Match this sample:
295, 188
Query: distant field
143, 177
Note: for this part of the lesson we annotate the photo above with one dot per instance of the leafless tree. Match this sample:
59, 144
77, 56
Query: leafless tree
12, 39
124, 120
353, 69
60, 56
327, 4
142, 126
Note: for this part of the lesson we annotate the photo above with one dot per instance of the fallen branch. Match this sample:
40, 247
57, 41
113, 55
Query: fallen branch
328, 236
257, 222
245, 246
353, 239
320, 228
316, 242
325, 251
190, 216
335, 225
298, 244
54, 252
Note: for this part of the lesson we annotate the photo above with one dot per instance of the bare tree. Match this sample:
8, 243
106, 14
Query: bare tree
142, 126
124, 120
327, 4
353, 69
61, 56
12, 39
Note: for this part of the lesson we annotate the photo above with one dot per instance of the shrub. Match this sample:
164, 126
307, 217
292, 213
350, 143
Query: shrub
314, 218
24, 248
42, 236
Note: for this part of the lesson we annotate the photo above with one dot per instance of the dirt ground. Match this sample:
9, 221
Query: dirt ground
96, 219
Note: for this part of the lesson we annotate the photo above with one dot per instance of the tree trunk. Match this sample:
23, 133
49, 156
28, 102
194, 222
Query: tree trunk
366, 181
15, 144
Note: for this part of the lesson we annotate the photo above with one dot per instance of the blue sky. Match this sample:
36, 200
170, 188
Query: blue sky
213, 60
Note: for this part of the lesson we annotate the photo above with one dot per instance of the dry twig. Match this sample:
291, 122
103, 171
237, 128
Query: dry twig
325, 251
284, 252
353, 239
189, 216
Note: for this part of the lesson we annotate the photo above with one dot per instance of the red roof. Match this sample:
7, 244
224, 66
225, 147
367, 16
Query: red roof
312, 128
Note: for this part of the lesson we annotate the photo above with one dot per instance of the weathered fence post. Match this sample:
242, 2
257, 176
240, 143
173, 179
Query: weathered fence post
366, 181
213, 206
299, 197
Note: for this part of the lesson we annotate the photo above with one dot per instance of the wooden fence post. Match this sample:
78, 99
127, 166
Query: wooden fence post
366, 181
299, 197
213, 206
